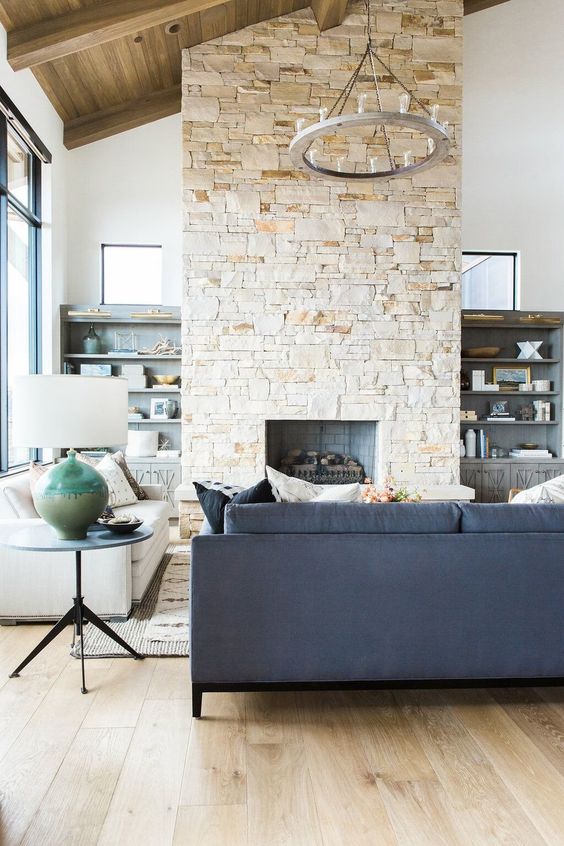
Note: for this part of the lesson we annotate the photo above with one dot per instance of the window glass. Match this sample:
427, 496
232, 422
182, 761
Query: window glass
19, 172
489, 280
131, 274
19, 309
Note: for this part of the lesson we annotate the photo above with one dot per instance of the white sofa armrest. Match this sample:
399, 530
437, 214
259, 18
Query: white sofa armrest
154, 491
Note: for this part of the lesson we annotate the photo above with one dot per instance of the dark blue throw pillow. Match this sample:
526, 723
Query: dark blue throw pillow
213, 502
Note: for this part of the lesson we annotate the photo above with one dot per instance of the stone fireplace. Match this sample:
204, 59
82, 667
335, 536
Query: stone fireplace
317, 301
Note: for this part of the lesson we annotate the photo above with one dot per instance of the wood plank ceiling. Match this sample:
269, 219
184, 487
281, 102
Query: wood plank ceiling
112, 65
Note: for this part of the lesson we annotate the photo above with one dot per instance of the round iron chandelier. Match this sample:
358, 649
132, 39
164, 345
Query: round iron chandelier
334, 123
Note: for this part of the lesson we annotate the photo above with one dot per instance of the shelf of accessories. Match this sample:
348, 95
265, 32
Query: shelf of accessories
148, 329
523, 361
127, 357
487, 475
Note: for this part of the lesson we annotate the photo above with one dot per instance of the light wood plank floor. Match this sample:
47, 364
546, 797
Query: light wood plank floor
125, 764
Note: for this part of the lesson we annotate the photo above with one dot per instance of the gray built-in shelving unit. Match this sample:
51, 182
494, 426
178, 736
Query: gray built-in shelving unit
492, 478
153, 322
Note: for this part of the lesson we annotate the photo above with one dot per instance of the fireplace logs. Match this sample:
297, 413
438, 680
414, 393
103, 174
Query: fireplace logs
322, 468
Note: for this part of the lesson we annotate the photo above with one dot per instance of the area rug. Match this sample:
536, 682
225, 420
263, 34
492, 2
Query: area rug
159, 624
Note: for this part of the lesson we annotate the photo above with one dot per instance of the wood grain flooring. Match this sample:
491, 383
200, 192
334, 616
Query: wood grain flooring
126, 764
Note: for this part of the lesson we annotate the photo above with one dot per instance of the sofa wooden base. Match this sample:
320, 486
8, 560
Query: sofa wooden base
388, 684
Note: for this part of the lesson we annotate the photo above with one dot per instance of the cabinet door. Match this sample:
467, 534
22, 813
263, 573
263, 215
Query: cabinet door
471, 476
496, 480
524, 475
550, 470
167, 475
140, 472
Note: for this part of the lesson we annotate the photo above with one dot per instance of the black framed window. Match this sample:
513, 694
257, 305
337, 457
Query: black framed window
490, 280
21, 157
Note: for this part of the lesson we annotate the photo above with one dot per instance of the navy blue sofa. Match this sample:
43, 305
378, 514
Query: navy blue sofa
341, 595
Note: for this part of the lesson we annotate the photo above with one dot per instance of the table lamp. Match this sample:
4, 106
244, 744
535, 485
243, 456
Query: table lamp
69, 412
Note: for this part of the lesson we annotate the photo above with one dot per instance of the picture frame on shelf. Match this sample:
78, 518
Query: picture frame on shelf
159, 409
499, 408
511, 377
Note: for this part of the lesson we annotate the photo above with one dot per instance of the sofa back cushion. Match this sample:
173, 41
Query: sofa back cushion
343, 518
511, 517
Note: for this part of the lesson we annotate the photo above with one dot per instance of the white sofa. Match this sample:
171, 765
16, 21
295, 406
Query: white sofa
40, 585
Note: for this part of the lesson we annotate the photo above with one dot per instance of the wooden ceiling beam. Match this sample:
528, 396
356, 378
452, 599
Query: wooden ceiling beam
329, 13
111, 121
471, 6
91, 25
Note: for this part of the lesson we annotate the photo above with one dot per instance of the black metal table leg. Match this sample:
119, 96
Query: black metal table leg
96, 621
68, 618
77, 615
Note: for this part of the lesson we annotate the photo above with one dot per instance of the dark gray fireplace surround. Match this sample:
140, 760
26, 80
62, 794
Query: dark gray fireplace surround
355, 438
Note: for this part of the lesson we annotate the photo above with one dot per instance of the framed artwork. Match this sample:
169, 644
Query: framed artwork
511, 377
159, 409
499, 407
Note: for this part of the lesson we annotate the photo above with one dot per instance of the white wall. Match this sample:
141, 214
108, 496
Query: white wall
513, 162
26, 93
126, 189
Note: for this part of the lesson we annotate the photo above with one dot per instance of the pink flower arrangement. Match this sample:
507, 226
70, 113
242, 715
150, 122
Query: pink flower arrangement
389, 493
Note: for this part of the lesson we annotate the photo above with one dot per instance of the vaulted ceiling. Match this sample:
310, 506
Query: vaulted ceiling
112, 65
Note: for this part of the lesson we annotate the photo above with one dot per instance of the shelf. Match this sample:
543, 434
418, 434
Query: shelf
509, 423
524, 362
499, 324
110, 356
153, 391
537, 459
171, 321
510, 393
162, 422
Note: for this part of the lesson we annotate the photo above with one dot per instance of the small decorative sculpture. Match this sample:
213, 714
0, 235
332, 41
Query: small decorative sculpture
528, 350
162, 347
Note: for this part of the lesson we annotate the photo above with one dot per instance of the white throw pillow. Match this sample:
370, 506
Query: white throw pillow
289, 489
550, 491
339, 493
118, 486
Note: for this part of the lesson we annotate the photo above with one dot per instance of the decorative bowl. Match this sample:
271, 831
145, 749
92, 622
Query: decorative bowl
481, 352
166, 380
529, 446
121, 528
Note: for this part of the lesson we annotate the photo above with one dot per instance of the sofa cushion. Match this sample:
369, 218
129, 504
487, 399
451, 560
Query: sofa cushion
343, 517
339, 493
119, 489
508, 517
17, 495
213, 502
154, 513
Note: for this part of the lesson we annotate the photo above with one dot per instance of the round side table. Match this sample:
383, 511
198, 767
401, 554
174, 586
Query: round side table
43, 539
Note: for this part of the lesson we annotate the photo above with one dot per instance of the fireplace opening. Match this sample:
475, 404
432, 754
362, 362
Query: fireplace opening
325, 452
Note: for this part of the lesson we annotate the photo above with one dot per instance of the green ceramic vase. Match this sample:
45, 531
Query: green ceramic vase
70, 496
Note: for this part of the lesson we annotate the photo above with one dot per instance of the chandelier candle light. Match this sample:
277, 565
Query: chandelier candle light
334, 122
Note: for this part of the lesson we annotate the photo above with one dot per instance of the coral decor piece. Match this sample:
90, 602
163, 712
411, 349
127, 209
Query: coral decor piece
389, 493
162, 347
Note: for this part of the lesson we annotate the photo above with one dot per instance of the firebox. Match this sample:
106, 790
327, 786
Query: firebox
323, 451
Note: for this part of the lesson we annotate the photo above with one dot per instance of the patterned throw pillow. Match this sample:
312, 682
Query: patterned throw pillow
119, 458
118, 486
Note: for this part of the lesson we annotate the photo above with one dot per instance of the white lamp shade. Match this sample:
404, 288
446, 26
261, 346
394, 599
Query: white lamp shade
69, 411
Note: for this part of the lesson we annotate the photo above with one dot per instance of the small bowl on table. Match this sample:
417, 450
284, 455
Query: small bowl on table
120, 528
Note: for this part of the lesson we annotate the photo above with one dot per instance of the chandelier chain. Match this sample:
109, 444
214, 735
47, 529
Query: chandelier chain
385, 131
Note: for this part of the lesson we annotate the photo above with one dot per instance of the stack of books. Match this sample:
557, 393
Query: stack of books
497, 418
482, 444
531, 453
135, 415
